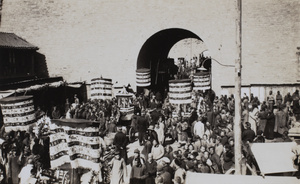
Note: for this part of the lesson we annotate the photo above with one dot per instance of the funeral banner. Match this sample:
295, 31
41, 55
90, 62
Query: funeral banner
18, 113
76, 142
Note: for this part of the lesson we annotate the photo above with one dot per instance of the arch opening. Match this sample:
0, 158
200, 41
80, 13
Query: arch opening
154, 56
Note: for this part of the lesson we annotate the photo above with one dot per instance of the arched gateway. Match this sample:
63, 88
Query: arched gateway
154, 56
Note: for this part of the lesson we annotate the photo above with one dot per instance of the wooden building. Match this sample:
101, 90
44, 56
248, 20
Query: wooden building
17, 58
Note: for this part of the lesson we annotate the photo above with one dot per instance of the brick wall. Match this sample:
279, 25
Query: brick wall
85, 39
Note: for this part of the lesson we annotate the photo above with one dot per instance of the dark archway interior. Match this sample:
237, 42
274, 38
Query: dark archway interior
154, 55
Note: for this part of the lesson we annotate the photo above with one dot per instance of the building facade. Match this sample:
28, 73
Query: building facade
83, 40
17, 58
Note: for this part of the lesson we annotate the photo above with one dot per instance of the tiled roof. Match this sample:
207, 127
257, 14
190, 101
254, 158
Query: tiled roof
10, 40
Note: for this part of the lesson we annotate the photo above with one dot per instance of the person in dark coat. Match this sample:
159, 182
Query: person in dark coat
55, 113
269, 129
259, 137
111, 126
45, 157
248, 134
158, 97
262, 119
151, 166
224, 138
120, 141
152, 134
216, 161
228, 157
296, 105
142, 125
152, 103
193, 117
37, 148
288, 98
154, 116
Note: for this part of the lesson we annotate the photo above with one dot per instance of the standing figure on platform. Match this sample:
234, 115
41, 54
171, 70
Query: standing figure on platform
288, 100
55, 113
67, 106
296, 106
271, 100
278, 98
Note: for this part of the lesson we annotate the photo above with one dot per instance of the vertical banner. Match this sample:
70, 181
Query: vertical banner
180, 91
201, 81
75, 141
101, 88
18, 113
143, 77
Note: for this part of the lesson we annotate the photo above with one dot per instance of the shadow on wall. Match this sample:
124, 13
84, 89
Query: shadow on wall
41, 69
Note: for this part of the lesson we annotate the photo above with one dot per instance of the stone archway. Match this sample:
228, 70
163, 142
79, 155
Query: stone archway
154, 55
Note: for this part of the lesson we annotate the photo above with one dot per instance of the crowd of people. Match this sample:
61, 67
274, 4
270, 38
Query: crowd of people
23, 156
196, 137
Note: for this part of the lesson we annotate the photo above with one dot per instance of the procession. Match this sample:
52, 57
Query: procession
149, 92
164, 138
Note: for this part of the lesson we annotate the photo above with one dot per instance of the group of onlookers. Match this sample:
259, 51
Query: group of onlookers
197, 137
204, 141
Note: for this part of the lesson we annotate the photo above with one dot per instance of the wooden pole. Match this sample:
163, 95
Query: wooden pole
298, 54
237, 119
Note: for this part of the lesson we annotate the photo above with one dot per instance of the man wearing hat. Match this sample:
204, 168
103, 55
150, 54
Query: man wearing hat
136, 155
120, 141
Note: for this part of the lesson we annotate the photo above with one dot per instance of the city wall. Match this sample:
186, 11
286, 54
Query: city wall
86, 39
